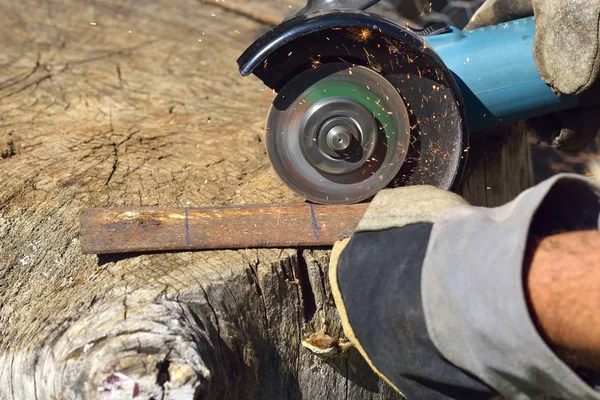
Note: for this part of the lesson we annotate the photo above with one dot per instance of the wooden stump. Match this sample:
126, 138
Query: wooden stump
499, 166
114, 103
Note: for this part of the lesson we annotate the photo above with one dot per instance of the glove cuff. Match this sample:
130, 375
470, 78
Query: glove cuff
395, 208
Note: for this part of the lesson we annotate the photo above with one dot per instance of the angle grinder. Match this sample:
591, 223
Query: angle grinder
363, 103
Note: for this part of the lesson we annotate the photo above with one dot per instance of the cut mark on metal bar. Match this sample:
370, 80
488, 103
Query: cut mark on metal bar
315, 226
188, 241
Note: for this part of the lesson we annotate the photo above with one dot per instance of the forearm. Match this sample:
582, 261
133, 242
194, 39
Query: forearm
562, 280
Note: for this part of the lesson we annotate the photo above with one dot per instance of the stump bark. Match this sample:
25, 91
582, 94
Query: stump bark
115, 103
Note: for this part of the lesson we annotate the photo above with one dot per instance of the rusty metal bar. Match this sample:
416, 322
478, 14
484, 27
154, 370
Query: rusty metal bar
126, 230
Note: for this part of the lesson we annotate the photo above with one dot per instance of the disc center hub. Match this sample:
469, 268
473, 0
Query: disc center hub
338, 138
339, 135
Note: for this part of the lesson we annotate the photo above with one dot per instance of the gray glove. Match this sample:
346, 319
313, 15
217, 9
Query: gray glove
375, 279
566, 38
566, 53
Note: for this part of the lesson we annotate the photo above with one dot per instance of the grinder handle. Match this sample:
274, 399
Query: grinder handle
496, 74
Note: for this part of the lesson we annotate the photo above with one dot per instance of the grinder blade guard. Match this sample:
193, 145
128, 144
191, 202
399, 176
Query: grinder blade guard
364, 103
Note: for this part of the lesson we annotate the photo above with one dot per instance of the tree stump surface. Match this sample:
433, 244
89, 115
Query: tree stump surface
114, 103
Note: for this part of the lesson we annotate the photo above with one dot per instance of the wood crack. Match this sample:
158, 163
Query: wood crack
114, 164
300, 306
254, 270
119, 76
12, 82
101, 57
248, 12
346, 377
36, 360
34, 83
309, 303
116, 146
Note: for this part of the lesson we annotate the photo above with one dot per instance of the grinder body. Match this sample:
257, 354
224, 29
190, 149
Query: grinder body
496, 73
426, 91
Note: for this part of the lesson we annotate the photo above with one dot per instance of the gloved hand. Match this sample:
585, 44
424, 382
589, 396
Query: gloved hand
376, 281
566, 53
431, 292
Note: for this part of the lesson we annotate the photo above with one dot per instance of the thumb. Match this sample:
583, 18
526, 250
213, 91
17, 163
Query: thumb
493, 12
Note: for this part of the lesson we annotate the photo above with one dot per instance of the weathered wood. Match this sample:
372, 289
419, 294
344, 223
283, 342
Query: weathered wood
137, 111
115, 103
499, 166
127, 230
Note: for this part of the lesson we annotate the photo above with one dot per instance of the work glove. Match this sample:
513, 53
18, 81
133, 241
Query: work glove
567, 56
430, 291
376, 280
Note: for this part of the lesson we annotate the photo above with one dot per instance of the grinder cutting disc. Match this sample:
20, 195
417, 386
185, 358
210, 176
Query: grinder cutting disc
337, 133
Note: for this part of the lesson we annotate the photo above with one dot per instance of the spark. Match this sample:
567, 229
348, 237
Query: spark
360, 35
315, 63
376, 67
93, 23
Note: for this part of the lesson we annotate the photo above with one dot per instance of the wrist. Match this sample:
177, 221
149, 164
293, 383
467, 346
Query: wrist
562, 284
